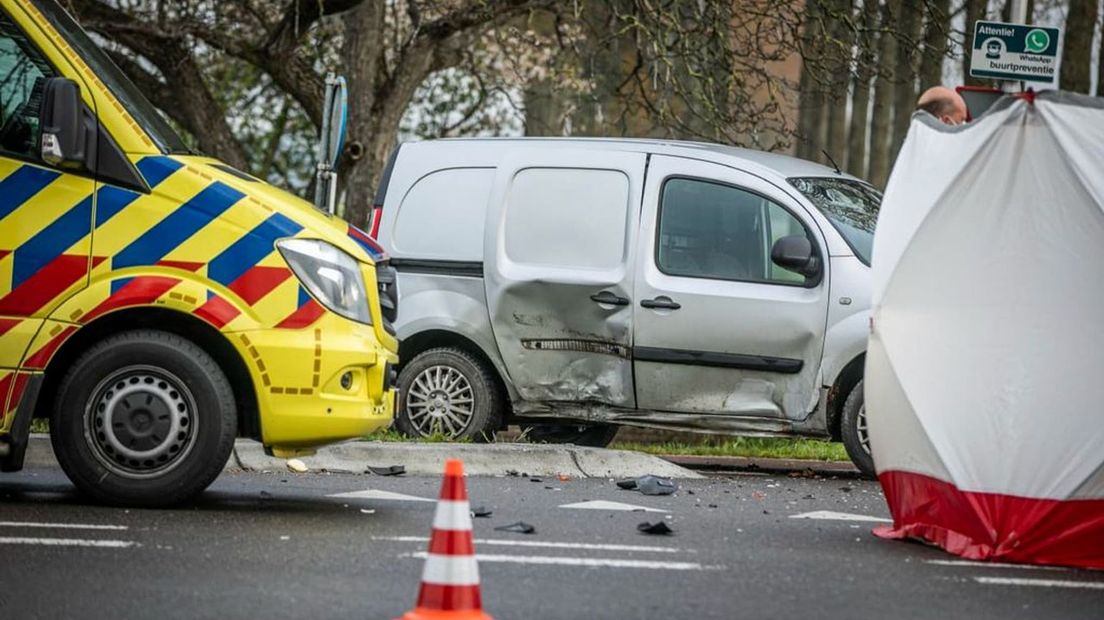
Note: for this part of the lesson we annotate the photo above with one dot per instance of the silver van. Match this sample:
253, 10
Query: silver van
574, 285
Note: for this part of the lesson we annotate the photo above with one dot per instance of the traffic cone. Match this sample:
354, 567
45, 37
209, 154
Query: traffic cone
450, 580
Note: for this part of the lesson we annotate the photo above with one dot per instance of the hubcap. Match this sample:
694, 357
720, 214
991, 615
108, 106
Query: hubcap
860, 427
440, 401
140, 421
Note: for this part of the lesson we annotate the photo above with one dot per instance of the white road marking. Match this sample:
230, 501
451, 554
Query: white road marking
548, 545
974, 564
546, 560
601, 504
68, 526
377, 494
828, 515
67, 542
1042, 583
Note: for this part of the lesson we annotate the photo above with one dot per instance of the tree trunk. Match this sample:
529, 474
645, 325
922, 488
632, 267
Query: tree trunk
904, 94
937, 30
839, 52
860, 98
880, 125
1077, 51
811, 94
975, 10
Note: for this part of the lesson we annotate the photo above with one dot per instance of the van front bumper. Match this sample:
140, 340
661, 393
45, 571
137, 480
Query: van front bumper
327, 382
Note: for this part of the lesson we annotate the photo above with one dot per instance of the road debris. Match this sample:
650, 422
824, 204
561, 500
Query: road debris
481, 512
659, 528
297, 466
521, 527
649, 485
390, 470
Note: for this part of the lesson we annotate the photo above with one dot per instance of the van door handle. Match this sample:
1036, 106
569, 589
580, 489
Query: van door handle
606, 297
662, 302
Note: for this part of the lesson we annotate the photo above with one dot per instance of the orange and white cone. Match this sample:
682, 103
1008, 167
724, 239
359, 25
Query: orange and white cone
450, 580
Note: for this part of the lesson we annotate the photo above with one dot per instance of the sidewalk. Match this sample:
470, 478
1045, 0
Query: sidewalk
496, 459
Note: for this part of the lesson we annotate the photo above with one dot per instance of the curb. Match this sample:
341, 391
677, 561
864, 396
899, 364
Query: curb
745, 463
496, 459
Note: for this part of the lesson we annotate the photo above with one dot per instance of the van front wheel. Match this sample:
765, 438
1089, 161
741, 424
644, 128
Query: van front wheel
449, 393
853, 430
143, 418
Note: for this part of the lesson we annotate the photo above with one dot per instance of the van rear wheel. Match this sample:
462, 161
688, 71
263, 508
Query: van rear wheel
143, 418
447, 392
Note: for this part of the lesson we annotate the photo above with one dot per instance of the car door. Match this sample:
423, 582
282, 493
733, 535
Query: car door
45, 213
718, 328
559, 234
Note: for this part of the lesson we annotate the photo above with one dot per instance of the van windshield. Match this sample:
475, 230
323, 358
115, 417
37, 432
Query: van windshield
124, 90
851, 206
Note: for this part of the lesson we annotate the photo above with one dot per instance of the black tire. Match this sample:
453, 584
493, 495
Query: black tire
590, 435
155, 395
472, 409
853, 431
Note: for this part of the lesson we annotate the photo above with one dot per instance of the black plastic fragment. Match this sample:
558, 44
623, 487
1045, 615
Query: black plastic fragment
521, 527
659, 528
481, 511
390, 470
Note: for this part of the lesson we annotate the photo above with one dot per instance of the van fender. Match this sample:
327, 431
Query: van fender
158, 287
451, 311
843, 342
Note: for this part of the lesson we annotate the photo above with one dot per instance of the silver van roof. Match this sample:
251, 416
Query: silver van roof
784, 165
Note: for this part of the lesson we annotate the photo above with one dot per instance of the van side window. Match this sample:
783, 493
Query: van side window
568, 217
23, 73
710, 230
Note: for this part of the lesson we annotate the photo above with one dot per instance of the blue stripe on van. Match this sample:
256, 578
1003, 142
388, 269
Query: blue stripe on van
178, 226
157, 168
50, 242
19, 186
246, 252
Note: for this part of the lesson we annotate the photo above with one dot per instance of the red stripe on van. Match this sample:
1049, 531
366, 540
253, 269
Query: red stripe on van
139, 291
46, 284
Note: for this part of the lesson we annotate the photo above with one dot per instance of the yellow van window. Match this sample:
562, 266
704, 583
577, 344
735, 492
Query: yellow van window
23, 73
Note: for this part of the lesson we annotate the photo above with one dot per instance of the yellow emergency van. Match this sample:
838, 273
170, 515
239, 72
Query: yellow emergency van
156, 304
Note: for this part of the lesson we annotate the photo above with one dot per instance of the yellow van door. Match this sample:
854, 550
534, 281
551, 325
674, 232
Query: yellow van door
45, 214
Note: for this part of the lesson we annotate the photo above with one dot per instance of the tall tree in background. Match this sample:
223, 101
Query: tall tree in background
1077, 50
881, 122
861, 87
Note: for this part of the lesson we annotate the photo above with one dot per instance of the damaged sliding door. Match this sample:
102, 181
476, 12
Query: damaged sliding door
559, 242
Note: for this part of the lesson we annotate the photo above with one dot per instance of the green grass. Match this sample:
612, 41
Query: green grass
391, 434
763, 447
40, 425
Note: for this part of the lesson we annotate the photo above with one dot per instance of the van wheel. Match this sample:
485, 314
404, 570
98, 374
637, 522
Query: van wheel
590, 435
449, 393
854, 433
143, 418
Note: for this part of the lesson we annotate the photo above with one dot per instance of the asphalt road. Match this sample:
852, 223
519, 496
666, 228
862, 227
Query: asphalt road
280, 545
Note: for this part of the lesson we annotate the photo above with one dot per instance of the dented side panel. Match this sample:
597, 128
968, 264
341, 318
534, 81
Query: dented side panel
561, 227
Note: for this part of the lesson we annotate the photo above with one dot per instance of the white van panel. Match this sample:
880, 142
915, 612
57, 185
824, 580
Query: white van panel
567, 217
442, 215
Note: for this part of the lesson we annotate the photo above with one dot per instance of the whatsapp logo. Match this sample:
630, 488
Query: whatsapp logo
1037, 41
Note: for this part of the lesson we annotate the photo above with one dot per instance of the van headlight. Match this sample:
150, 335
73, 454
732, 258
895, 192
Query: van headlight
331, 275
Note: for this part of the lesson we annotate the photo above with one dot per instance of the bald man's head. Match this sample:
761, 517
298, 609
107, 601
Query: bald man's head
944, 104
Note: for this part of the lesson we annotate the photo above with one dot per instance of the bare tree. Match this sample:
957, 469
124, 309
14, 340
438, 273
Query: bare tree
1077, 50
387, 49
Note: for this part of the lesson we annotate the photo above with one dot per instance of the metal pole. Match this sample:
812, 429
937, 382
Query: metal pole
1018, 15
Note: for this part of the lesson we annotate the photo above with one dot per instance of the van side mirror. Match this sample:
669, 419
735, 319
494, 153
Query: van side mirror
63, 140
795, 253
